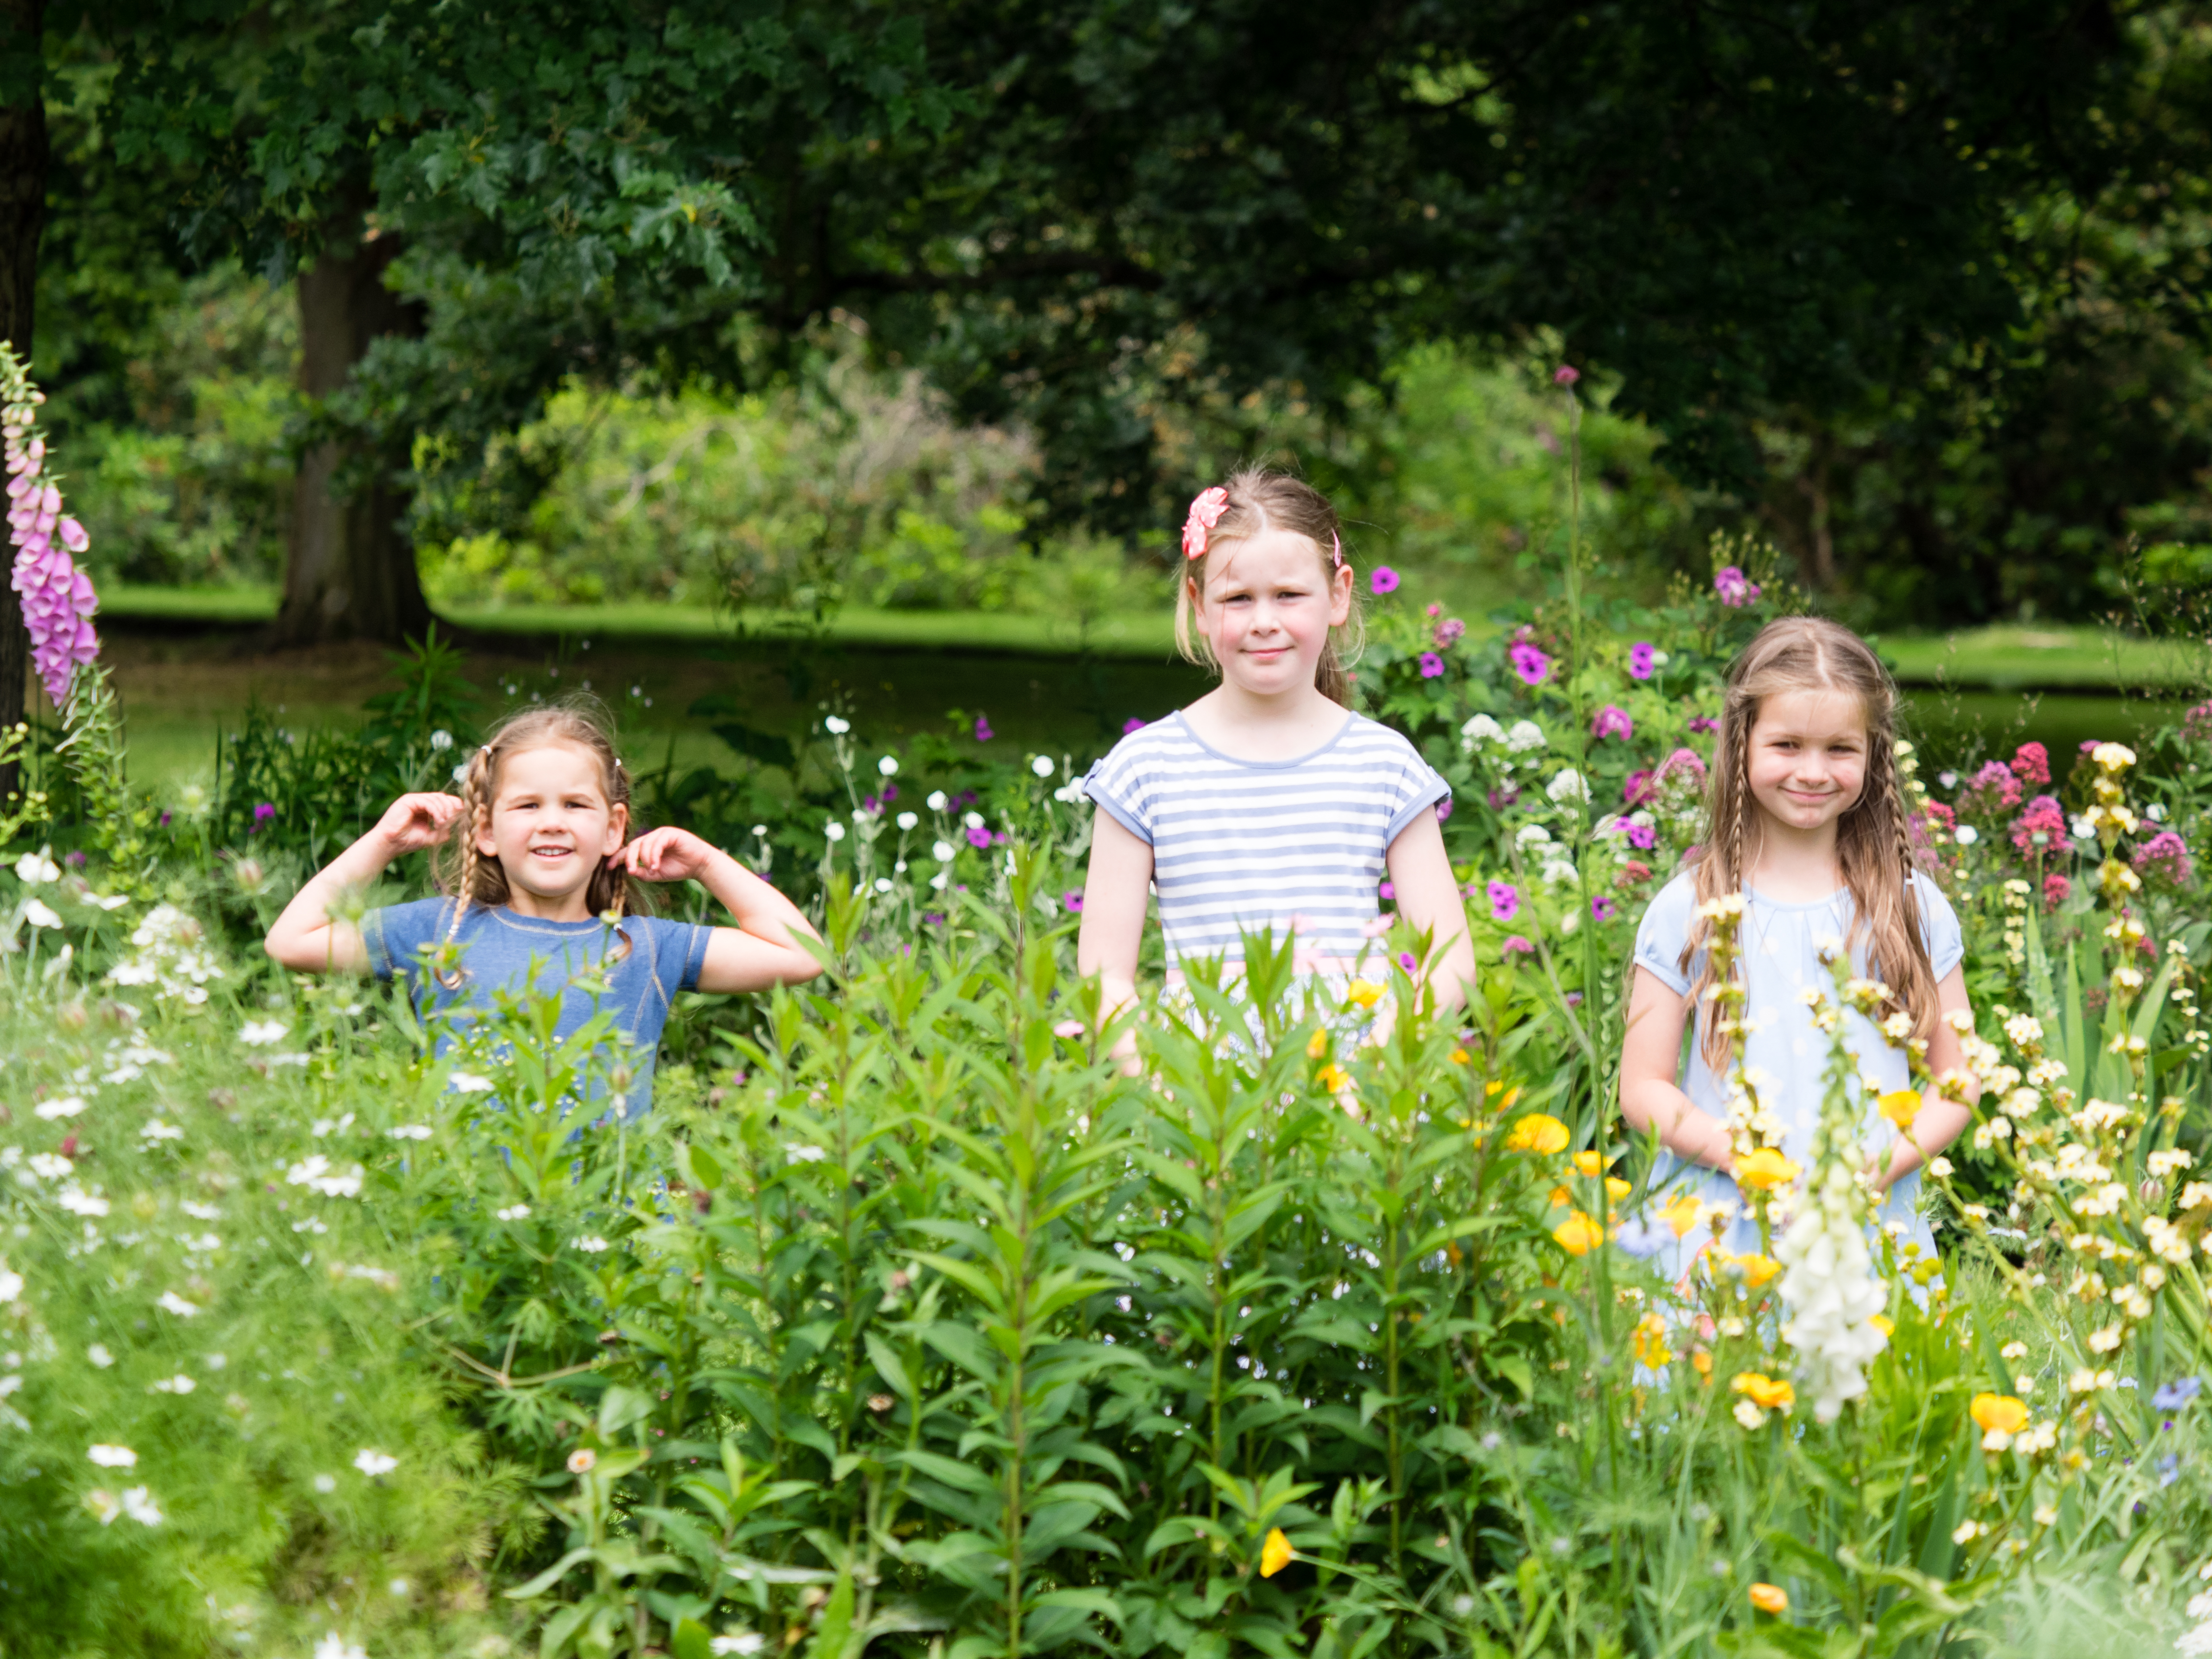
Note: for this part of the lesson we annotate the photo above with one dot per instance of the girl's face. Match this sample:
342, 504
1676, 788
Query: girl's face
1268, 605
1809, 756
551, 826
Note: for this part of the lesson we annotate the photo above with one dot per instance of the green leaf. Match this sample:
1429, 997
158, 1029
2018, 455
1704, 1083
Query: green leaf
689, 1640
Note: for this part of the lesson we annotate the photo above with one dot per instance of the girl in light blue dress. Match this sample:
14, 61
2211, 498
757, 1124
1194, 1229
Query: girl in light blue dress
1806, 819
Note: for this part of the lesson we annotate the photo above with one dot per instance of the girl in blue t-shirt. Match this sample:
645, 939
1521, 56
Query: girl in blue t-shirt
1806, 819
542, 876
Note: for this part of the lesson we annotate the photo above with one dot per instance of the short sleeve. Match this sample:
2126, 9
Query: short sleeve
1939, 926
1664, 930
679, 953
395, 934
1420, 787
1118, 787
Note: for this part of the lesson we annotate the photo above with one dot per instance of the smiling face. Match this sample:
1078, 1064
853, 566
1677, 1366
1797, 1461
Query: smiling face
1266, 607
551, 828
1809, 756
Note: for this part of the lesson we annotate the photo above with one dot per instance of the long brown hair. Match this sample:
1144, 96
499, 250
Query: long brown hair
1873, 850
1259, 500
580, 721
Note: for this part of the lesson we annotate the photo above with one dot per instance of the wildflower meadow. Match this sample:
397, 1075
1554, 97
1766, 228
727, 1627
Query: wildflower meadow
908, 1323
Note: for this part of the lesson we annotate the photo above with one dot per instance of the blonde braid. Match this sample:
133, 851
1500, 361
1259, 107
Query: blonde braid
618, 875
465, 889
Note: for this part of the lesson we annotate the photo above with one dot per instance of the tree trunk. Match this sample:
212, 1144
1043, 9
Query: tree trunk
349, 568
23, 220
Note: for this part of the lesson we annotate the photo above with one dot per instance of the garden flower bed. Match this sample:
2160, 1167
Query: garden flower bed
907, 1323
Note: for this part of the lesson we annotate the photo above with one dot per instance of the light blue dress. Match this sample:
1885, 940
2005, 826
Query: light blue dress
1780, 957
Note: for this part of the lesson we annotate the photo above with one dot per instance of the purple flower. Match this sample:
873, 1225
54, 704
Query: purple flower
165, 820
1735, 589
1449, 632
1409, 961
2173, 1396
1613, 721
75, 861
1640, 666
1443, 809
1641, 836
1388, 891
891, 791
264, 812
1071, 902
1132, 723
978, 836
1637, 789
1505, 901
931, 919
1602, 908
1531, 665
1566, 375
1643, 1237
1515, 945
1432, 665
983, 733
2164, 857
1574, 998
58, 598
1700, 723
1383, 581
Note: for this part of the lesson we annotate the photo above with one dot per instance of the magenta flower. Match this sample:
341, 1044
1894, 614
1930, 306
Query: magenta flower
1566, 375
1388, 892
983, 733
1640, 666
1602, 908
2040, 827
2057, 889
1443, 809
1505, 901
1637, 789
1071, 902
1701, 723
978, 836
58, 598
1641, 836
1382, 580
1449, 632
2030, 764
1531, 665
1409, 961
1992, 789
1613, 721
1432, 665
1515, 945
2165, 857
1132, 724
1735, 589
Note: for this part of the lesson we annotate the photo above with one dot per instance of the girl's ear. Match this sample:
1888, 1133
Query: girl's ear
485, 844
617, 829
1197, 593
1339, 596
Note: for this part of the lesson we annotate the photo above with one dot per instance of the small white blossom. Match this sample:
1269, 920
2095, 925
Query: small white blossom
180, 1383
797, 1153
590, 1244
942, 851
888, 766
1524, 736
1567, 785
1967, 835
98, 1355
155, 1132
514, 1213
742, 1643
113, 1457
78, 1201
61, 1106
468, 1083
170, 1302
36, 869
335, 1646
1042, 766
837, 728
138, 1504
936, 801
410, 1132
373, 1463
908, 820
49, 1166
834, 830
261, 1033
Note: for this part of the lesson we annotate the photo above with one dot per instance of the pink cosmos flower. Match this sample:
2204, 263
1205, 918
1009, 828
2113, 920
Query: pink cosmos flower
1205, 510
1641, 836
1432, 665
1735, 589
1505, 901
1531, 665
1602, 909
1071, 901
1613, 721
978, 836
1382, 580
1640, 666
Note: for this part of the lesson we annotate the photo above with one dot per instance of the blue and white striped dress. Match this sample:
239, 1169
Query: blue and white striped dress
1241, 845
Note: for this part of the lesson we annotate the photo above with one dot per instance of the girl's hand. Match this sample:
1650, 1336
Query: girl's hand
664, 854
415, 822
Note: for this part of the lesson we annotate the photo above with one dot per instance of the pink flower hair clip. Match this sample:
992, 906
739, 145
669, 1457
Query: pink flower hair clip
1205, 510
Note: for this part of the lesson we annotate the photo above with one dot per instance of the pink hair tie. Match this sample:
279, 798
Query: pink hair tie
1335, 550
1205, 510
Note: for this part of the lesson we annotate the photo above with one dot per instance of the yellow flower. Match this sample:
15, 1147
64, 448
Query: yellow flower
1459, 1057
1884, 1323
1578, 1235
1769, 1393
1366, 992
1317, 1044
2000, 1412
1764, 1168
1334, 1078
1703, 1363
1650, 1339
1770, 1598
1757, 1269
1587, 1164
1901, 1106
1615, 1187
1275, 1553
1505, 1102
1682, 1213
1561, 1196
1539, 1132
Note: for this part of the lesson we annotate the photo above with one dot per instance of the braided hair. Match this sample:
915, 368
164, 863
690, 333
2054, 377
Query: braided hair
1874, 841
462, 869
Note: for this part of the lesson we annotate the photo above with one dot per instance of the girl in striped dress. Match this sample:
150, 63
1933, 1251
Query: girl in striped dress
1268, 806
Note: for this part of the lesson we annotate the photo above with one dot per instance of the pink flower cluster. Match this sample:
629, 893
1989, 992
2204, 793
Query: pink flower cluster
1735, 589
1992, 789
2030, 764
2040, 827
2164, 858
58, 598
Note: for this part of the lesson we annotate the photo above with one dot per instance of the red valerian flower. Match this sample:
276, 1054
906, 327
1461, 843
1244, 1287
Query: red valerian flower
1566, 375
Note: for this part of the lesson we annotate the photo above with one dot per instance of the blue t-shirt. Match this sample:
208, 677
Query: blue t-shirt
1786, 1056
498, 946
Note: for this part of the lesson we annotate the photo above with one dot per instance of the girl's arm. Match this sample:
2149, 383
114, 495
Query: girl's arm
307, 937
1428, 898
1113, 931
1940, 1122
1650, 1057
762, 949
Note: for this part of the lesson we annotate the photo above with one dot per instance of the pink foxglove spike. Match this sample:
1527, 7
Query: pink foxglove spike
1205, 510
